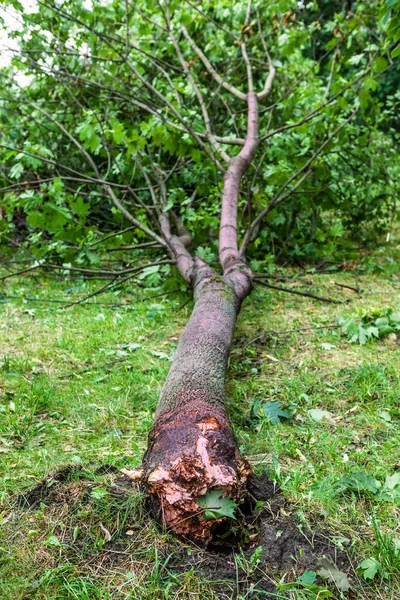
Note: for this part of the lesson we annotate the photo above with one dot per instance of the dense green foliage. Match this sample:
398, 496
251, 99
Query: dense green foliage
83, 91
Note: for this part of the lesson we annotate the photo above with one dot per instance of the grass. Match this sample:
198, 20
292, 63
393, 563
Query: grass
79, 385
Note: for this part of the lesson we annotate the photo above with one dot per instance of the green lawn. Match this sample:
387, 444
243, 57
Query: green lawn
79, 385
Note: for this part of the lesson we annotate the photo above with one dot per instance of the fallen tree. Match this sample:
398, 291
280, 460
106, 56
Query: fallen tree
191, 448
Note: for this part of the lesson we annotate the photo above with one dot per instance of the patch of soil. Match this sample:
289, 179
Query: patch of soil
47, 489
288, 546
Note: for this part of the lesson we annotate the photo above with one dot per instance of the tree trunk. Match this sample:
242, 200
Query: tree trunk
192, 448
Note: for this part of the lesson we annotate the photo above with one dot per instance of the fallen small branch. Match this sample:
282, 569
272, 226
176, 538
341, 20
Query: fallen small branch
116, 282
306, 294
86, 272
4, 297
22, 272
348, 287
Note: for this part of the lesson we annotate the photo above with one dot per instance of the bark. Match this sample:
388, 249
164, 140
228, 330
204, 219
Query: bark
192, 448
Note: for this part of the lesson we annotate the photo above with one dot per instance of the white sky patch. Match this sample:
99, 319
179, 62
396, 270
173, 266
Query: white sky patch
8, 45
12, 23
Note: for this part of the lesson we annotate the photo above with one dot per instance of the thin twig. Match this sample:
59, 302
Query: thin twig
57, 301
135, 247
307, 294
20, 272
348, 287
115, 283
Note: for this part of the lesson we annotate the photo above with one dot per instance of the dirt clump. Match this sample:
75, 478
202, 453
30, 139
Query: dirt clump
47, 489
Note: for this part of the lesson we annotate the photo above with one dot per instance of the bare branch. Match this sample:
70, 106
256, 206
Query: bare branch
115, 234
196, 89
230, 88
134, 247
149, 185
248, 66
272, 71
328, 86
250, 86
248, 12
22, 272
291, 291
183, 258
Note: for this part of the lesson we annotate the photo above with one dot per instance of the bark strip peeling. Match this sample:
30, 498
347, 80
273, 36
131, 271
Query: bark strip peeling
192, 448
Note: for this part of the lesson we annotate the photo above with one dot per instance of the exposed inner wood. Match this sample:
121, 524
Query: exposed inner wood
191, 450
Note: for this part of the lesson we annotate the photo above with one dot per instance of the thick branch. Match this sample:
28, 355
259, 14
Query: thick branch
228, 246
184, 260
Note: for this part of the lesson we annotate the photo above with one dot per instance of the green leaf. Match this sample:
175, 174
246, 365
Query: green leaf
131, 346
361, 482
385, 415
206, 254
370, 83
362, 336
99, 492
274, 413
327, 346
369, 567
328, 570
16, 171
117, 130
307, 578
215, 506
52, 540
79, 207
355, 59
36, 219
392, 481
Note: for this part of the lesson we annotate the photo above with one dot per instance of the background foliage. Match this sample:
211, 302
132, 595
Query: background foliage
80, 69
